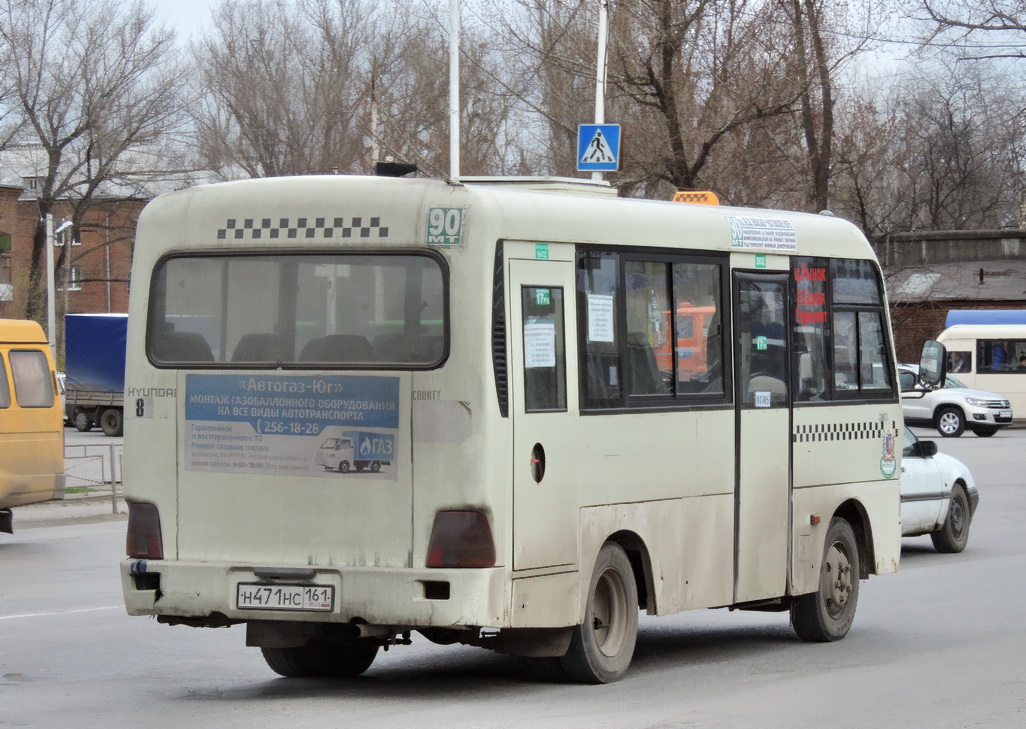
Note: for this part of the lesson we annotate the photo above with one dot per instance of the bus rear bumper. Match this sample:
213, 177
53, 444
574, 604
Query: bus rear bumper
205, 593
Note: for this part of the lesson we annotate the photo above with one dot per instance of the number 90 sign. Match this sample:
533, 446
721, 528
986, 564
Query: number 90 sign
445, 226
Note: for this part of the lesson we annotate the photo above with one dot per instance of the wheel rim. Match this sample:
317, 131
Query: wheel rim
609, 616
956, 517
948, 423
837, 572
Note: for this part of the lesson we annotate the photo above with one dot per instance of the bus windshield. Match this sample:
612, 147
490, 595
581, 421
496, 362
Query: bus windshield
337, 310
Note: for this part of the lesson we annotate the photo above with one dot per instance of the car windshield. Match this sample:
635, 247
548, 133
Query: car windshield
951, 382
910, 442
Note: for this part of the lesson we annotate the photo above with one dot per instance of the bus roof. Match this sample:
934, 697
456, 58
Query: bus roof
299, 211
985, 316
19, 331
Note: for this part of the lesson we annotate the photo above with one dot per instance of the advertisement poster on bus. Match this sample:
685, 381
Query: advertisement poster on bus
292, 425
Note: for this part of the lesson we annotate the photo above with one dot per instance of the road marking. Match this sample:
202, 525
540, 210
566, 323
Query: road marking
60, 612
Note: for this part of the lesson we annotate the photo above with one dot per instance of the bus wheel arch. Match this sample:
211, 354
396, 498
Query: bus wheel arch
854, 513
641, 563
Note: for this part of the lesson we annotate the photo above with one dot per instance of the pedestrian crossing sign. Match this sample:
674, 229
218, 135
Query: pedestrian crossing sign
598, 147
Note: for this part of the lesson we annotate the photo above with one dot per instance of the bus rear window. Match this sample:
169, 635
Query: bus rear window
299, 310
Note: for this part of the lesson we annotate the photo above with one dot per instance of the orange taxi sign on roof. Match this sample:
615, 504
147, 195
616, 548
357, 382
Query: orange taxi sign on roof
704, 197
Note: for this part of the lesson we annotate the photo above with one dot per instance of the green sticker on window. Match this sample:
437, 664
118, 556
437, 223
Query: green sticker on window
760, 261
761, 343
542, 297
541, 251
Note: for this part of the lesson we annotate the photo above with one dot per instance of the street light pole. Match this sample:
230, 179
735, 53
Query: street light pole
51, 306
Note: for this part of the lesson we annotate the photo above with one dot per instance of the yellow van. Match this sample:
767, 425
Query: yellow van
31, 421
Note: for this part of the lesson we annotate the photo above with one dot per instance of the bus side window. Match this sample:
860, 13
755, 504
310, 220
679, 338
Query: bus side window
5, 390
33, 386
643, 375
544, 349
959, 361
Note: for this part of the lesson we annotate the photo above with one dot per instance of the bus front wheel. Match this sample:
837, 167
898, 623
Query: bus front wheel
602, 647
321, 659
827, 614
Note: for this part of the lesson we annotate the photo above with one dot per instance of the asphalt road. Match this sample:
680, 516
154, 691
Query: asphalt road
941, 644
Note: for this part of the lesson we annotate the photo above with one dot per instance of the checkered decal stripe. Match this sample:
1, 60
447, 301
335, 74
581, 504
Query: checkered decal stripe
302, 228
841, 431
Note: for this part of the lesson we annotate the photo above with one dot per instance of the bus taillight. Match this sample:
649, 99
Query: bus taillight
144, 540
461, 539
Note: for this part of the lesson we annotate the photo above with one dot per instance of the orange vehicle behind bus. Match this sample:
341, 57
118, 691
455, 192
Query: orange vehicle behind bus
692, 334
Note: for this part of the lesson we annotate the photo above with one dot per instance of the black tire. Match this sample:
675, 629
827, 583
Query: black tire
375, 466
954, 535
112, 422
343, 466
83, 424
602, 647
950, 422
320, 659
985, 432
827, 614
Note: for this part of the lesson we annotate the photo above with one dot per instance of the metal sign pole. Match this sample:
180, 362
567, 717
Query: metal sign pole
600, 71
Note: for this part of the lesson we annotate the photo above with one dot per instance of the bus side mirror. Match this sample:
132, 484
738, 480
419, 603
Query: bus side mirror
933, 364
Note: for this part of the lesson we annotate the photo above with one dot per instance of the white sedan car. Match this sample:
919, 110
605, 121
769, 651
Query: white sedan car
938, 496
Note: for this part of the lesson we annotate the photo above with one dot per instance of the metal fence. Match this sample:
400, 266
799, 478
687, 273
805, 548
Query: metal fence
94, 470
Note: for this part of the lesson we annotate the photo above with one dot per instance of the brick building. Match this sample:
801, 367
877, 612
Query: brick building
95, 264
931, 273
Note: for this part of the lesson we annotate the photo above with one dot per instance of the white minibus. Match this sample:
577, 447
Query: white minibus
580, 406
987, 350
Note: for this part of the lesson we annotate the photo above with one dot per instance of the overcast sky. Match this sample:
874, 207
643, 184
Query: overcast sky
186, 16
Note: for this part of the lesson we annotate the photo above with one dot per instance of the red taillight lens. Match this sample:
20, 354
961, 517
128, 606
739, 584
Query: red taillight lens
461, 539
144, 539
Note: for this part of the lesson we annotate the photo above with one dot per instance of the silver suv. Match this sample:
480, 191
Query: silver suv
954, 408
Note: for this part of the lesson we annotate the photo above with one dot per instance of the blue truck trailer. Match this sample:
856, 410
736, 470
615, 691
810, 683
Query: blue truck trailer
94, 363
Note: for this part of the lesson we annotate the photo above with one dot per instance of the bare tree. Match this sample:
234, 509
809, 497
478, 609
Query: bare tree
962, 18
942, 152
93, 80
320, 86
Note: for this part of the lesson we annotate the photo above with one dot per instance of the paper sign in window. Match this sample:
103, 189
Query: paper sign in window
540, 343
600, 318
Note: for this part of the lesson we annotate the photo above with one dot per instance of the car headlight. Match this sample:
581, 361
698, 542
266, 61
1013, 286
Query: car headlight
976, 403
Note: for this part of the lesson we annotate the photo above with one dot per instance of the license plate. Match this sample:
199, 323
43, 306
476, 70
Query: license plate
254, 596
1005, 414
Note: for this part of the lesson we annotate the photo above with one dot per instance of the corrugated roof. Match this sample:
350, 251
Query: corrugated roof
971, 281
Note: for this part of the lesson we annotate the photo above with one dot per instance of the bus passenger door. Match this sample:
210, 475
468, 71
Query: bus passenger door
762, 495
544, 400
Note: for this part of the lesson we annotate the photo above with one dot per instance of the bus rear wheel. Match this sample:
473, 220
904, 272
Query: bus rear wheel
827, 614
601, 648
319, 659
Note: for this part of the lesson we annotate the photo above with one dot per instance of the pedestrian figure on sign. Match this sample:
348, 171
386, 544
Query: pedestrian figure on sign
598, 150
